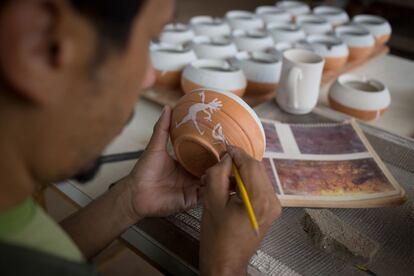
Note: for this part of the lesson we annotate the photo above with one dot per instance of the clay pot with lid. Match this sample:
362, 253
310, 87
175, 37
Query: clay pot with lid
252, 40
285, 32
214, 47
210, 26
214, 74
168, 61
335, 16
244, 20
176, 33
205, 121
295, 8
273, 14
361, 42
378, 26
313, 24
331, 48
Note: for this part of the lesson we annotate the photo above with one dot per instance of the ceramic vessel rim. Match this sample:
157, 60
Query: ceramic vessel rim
318, 38
249, 56
343, 79
291, 4
303, 19
361, 19
236, 14
172, 27
319, 10
199, 19
287, 55
354, 28
266, 8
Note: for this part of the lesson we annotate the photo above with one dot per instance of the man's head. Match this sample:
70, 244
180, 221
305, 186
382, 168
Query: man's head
71, 72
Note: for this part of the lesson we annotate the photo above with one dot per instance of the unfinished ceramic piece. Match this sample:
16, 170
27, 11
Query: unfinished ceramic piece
273, 14
285, 32
279, 48
205, 121
378, 26
176, 33
210, 26
168, 61
332, 49
244, 20
214, 47
361, 42
335, 16
313, 24
214, 74
360, 97
295, 8
262, 71
252, 40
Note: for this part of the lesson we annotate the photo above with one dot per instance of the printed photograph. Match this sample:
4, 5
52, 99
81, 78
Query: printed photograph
333, 178
271, 174
340, 139
272, 138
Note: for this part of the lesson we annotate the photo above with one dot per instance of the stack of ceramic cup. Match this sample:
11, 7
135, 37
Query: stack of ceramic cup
242, 52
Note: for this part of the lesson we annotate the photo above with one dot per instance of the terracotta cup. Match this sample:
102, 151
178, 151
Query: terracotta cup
378, 26
295, 8
331, 48
262, 71
273, 14
176, 33
168, 61
361, 43
335, 16
214, 47
252, 40
360, 97
210, 26
285, 32
313, 24
204, 121
215, 74
244, 20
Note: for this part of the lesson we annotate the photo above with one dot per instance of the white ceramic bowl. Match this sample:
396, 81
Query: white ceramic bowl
285, 32
176, 33
210, 26
214, 74
295, 8
279, 48
378, 26
215, 48
332, 48
244, 20
313, 24
360, 97
273, 14
336, 16
361, 42
252, 40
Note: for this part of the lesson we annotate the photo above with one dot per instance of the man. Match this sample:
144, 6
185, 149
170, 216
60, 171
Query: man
71, 73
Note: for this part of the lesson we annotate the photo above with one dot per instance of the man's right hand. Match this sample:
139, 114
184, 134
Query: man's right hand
228, 240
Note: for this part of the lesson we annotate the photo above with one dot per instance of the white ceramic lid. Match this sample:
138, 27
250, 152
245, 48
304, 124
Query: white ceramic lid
328, 45
355, 36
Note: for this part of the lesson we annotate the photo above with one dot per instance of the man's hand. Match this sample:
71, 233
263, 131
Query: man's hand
227, 238
158, 185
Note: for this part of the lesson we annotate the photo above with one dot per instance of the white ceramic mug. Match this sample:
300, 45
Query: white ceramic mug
300, 81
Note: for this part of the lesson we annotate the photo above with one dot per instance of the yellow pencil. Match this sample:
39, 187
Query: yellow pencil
246, 200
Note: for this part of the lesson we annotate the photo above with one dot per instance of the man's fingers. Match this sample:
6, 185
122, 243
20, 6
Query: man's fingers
217, 183
161, 133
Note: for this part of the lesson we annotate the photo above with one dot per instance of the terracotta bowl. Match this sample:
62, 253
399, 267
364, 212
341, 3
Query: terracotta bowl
214, 74
252, 40
378, 26
285, 32
331, 48
313, 24
244, 20
335, 16
204, 121
214, 48
210, 26
361, 42
295, 8
262, 71
363, 98
273, 14
176, 33
168, 61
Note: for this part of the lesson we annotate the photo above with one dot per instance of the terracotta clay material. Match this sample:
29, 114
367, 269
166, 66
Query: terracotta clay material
260, 89
205, 121
334, 63
189, 86
357, 113
381, 40
358, 53
169, 79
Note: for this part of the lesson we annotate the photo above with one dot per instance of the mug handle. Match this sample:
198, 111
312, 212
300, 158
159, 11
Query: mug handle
294, 76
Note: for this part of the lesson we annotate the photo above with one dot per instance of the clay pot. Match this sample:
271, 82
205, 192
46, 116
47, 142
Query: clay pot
378, 26
363, 98
176, 33
168, 61
279, 48
210, 26
273, 14
214, 48
295, 8
244, 20
262, 71
214, 74
361, 42
252, 40
204, 121
335, 16
285, 32
313, 24
331, 48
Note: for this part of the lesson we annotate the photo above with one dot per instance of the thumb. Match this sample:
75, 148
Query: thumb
160, 135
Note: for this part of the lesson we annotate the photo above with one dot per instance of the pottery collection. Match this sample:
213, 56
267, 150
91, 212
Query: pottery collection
378, 26
332, 48
334, 15
252, 40
244, 20
214, 47
209, 26
176, 33
313, 24
361, 43
273, 14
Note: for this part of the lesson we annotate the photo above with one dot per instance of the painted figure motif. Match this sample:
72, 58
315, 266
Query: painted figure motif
218, 135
